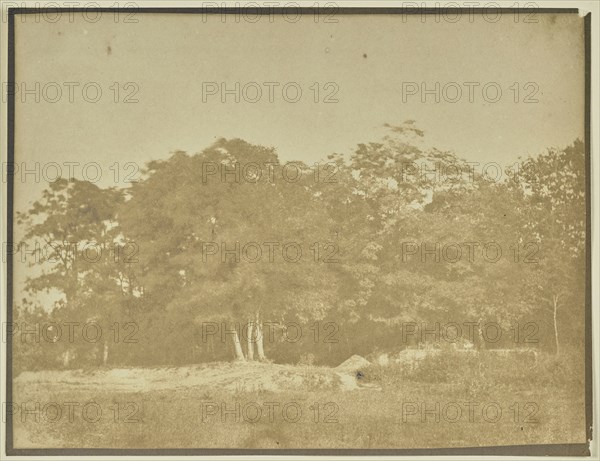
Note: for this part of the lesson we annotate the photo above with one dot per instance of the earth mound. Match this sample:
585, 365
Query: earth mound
353, 364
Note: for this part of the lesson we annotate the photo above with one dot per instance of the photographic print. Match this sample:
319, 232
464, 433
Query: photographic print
297, 229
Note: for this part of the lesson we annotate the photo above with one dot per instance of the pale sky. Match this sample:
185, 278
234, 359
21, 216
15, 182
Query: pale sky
169, 56
368, 58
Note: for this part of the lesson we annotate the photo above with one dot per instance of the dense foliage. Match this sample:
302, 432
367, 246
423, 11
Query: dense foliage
385, 241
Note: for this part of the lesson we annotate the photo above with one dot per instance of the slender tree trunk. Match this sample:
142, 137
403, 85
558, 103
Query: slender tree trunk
250, 340
105, 353
67, 358
555, 311
237, 346
482, 343
259, 339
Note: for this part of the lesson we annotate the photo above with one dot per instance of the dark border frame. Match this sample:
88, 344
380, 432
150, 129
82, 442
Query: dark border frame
580, 449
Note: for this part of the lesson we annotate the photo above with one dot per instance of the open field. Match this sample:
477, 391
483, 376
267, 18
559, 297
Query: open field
235, 405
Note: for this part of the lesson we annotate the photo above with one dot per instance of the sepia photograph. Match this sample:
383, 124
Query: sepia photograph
299, 229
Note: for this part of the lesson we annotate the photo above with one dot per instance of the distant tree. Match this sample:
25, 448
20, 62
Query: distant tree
395, 184
552, 187
201, 224
73, 236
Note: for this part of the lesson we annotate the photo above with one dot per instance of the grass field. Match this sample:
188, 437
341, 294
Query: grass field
301, 407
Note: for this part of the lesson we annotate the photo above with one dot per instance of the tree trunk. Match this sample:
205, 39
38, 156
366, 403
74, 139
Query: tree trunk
481, 339
211, 347
555, 311
105, 353
250, 340
259, 339
67, 358
237, 346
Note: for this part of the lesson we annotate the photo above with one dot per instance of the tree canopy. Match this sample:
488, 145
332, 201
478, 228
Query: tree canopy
234, 236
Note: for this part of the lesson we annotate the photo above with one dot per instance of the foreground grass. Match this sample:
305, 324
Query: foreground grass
392, 411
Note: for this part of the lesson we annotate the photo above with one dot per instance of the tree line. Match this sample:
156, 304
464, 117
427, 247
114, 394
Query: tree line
217, 255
